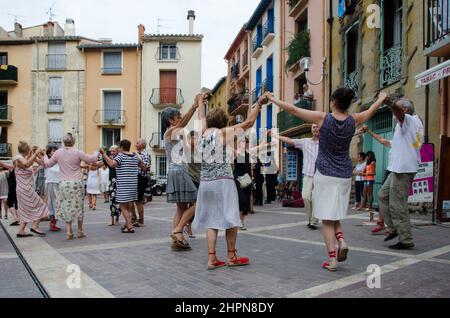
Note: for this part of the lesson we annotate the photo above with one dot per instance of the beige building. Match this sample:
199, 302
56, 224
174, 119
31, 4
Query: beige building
112, 94
50, 89
171, 77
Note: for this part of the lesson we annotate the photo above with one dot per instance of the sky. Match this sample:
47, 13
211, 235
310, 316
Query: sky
218, 21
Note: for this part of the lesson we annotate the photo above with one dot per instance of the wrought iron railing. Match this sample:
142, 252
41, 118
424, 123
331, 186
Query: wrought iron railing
256, 93
268, 27
245, 59
237, 101
112, 70
5, 150
256, 43
292, 4
8, 73
286, 121
391, 68
110, 117
157, 140
56, 61
6, 113
55, 105
436, 22
167, 97
352, 81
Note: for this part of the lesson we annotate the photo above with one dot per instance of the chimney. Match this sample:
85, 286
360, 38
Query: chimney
50, 28
191, 18
69, 27
18, 30
141, 32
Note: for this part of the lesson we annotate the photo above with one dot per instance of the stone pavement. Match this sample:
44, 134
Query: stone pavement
286, 260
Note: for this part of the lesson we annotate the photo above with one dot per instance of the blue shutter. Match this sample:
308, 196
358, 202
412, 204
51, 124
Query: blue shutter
269, 116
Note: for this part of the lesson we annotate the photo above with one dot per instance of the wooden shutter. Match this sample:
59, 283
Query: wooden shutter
168, 87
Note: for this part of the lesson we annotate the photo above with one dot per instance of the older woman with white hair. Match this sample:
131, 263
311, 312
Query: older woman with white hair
70, 203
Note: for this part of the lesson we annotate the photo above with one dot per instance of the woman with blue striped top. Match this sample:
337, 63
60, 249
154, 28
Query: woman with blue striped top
126, 165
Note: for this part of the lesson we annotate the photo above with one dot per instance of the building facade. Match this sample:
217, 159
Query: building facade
219, 95
374, 52
112, 95
171, 77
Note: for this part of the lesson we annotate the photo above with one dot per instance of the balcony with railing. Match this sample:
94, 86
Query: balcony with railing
56, 62
268, 31
157, 141
5, 115
55, 105
168, 55
256, 93
391, 66
165, 97
238, 104
5, 151
245, 67
352, 81
286, 121
295, 7
8, 75
257, 47
110, 118
436, 28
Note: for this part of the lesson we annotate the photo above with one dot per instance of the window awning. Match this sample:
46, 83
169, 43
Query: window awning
434, 74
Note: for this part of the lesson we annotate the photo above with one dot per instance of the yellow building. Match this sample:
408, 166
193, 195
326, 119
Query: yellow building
112, 94
219, 95
379, 48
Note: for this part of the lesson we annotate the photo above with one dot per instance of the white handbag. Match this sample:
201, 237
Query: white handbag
244, 181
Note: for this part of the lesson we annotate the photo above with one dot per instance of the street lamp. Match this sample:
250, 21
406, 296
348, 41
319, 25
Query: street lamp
305, 64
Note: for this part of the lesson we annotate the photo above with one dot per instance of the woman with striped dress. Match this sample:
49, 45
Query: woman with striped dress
31, 208
126, 165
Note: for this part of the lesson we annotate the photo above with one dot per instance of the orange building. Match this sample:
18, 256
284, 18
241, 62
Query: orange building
112, 94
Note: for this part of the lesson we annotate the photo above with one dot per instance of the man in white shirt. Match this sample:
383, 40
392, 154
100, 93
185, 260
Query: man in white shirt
403, 165
310, 148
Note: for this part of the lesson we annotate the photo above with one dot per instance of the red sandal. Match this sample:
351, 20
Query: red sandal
342, 252
329, 266
237, 261
216, 264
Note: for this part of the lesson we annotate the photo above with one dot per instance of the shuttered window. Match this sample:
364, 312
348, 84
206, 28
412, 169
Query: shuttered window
112, 62
56, 58
112, 107
55, 95
55, 131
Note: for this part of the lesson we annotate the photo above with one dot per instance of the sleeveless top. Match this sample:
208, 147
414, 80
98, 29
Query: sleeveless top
216, 158
370, 169
175, 154
334, 147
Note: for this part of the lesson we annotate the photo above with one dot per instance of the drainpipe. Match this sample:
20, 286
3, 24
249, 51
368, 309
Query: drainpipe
427, 106
330, 52
85, 101
36, 107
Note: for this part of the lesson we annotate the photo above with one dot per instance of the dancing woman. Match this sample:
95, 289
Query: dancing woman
180, 187
332, 181
31, 208
114, 207
51, 186
218, 202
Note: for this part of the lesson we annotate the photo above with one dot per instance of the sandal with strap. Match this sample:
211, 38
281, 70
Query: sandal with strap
80, 235
329, 265
128, 230
342, 252
237, 261
180, 243
216, 264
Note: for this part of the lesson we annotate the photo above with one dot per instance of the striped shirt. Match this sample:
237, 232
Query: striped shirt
127, 177
146, 160
310, 150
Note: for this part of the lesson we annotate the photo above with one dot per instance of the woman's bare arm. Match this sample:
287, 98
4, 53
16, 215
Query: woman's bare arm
364, 116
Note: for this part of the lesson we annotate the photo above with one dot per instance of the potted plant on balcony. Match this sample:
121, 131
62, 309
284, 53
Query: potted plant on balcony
299, 47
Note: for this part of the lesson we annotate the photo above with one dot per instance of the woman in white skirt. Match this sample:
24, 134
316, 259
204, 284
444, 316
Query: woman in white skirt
217, 201
104, 172
332, 181
93, 185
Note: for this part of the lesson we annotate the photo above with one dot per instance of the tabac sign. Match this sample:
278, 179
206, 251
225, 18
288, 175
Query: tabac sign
434, 74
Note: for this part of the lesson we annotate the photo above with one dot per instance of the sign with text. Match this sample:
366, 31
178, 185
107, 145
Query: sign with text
291, 166
422, 188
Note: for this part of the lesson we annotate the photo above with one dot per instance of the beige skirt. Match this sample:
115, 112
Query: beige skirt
331, 197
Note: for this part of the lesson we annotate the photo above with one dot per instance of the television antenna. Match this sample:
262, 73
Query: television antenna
51, 13
16, 17
159, 25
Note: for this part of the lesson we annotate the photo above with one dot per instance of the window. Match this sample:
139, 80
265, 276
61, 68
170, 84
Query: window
168, 51
55, 131
56, 58
161, 167
391, 42
112, 62
112, 107
55, 93
3, 58
382, 121
351, 59
110, 137
4, 147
